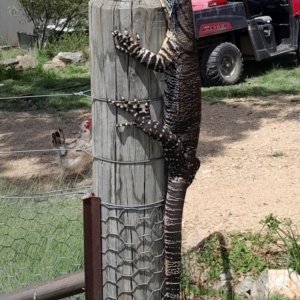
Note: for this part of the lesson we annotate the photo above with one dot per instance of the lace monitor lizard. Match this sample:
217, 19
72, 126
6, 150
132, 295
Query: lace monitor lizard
179, 133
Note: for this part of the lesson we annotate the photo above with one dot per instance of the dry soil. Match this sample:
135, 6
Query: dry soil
249, 151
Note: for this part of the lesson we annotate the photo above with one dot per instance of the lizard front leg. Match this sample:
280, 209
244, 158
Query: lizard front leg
172, 147
159, 62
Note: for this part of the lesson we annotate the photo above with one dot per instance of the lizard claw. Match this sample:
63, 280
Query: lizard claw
126, 124
124, 42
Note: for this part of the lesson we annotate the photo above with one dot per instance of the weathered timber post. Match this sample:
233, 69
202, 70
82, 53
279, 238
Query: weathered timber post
128, 168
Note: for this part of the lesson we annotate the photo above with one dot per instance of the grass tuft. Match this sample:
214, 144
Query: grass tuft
289, 235
240, 255
277, 154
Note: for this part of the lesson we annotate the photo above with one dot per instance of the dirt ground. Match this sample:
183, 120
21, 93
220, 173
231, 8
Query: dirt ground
249, 149
21, 131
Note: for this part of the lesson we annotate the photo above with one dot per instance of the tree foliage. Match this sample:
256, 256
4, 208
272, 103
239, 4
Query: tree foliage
45, 12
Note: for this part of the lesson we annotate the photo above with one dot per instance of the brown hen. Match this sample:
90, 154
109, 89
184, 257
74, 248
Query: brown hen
72, 157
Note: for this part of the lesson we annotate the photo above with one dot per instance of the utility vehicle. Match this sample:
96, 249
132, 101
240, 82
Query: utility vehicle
229, 31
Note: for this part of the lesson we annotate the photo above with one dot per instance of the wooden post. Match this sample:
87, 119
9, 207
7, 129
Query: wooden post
127, 187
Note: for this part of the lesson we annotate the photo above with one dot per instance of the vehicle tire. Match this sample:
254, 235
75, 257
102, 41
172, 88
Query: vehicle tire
221, 64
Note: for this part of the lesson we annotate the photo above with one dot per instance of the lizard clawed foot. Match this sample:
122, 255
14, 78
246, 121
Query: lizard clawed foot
139, 113
125, 41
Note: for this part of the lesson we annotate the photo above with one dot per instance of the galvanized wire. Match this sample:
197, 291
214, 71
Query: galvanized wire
133, 252
37, 150
81, 94
41, 237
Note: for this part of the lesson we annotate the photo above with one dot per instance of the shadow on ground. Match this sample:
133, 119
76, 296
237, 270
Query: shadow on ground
26, 131
230, 121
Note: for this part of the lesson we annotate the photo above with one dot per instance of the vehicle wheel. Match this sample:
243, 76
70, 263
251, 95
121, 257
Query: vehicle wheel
221, 64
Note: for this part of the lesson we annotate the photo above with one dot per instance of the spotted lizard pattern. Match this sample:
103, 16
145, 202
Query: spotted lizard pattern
179, 132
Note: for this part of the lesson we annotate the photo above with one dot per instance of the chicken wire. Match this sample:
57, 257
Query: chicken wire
41, 237
133, 252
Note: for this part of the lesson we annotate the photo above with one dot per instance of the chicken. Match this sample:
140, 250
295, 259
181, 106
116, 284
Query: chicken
71, 160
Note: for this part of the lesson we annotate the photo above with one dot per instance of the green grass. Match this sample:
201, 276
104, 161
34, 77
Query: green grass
244, 254
77, 41
271, 77
275, 76
37, 81
40, 82
289, 235
40, 238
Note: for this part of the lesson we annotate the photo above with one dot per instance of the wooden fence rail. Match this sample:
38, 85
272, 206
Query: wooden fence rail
73, 284
58, 288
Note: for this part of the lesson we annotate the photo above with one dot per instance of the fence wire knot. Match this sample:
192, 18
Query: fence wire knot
78, 93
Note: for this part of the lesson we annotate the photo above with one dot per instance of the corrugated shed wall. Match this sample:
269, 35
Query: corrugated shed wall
11, 21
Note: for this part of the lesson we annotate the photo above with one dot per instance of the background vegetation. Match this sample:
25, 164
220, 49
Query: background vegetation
43, 12
275, 77
242, 253
37, 81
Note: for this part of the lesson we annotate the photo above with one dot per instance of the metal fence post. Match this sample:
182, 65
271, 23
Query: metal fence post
92, 248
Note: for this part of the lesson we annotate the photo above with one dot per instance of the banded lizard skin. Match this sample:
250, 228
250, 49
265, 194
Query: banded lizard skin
179, 133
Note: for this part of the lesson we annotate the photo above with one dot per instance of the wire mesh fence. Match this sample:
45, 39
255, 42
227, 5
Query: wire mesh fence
41, 237
41, 232
133, 252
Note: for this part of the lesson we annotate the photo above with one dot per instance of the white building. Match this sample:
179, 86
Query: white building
11, 21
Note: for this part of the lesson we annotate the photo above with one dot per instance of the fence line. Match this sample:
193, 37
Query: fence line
81, 93
40, 236
38, 150
82, 190
83, 149
41, 233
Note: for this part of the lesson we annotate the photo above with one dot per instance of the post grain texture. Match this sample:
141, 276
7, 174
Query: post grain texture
126, 186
